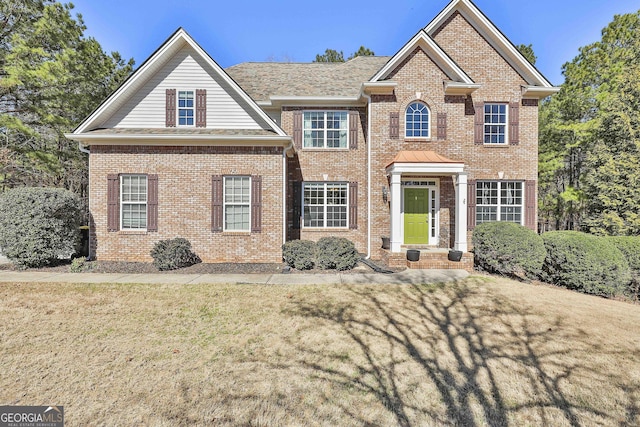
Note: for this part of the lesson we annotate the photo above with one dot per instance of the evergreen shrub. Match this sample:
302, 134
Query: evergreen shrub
299, 254
508, 248
630, 248
586, 263
336, 253
39, 226
172, 254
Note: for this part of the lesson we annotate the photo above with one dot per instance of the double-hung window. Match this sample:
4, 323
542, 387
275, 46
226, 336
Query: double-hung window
133, 202
325, 204
417, 121
495, 123
237, 203
186, 109
498, 201
325, 129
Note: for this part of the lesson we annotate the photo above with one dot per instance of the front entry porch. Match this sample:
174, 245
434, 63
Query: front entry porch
415, 179
430, 258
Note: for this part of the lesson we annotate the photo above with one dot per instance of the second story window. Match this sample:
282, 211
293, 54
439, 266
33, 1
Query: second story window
186, 110
495, 123
325, 129
417, 121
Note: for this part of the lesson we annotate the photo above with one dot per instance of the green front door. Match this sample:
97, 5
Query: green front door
416, 216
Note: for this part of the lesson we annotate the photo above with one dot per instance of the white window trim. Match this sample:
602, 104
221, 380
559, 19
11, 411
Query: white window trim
123, 203
324, 147
324, 205
225, 204
425, 138
178, 108
499, 205
506, 125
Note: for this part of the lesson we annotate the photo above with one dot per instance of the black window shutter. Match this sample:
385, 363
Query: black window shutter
216, 204
441, 124
354, 118
394, 124
256, 203
171, 108
113, 202
201, 108
297, 204
514, 123
478, 128
530, 201
297, 129
471, 205
152, 202
353, 205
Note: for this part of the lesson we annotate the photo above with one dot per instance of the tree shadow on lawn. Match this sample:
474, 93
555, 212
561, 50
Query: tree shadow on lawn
460, 354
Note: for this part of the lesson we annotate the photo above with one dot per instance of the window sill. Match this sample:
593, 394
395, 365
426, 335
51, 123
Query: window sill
236, 233
324, 150
323, 229
496, 145
132, 232
418, 139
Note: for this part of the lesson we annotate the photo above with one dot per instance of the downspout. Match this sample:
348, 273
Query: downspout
284, 191
84, 150
368, 98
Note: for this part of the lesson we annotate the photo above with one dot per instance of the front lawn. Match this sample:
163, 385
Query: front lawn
484, 351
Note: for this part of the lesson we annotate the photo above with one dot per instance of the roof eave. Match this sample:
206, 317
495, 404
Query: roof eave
538, 92
457, 88
154, 139
312, 101
385, 87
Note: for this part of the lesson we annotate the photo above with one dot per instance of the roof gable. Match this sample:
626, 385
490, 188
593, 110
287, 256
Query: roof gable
435, 52
494, 37
180, 63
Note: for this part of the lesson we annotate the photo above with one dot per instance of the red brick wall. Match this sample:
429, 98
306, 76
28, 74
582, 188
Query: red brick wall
184, 201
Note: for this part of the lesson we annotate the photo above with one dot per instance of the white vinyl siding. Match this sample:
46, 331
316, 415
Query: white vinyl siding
146, 108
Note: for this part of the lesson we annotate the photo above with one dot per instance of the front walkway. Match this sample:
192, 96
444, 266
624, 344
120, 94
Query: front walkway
410, 276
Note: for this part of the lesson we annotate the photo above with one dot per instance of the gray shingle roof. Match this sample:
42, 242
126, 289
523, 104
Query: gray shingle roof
264, 79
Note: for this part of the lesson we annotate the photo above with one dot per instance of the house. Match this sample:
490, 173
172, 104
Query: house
418, 147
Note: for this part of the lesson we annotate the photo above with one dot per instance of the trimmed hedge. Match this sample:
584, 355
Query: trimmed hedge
299, 254
508, 248
586, 263
630, 248
328, 253
39, 226
172, 254
336, 253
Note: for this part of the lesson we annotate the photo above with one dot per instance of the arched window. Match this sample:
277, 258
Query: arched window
417, 120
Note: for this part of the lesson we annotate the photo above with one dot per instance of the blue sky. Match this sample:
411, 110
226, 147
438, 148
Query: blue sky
246, 30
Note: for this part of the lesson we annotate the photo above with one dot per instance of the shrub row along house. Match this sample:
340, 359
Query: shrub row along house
418, 147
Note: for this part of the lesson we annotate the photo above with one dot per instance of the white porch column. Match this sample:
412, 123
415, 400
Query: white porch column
396, 212
461, 212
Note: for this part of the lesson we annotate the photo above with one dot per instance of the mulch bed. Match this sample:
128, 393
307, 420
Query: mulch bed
201, 268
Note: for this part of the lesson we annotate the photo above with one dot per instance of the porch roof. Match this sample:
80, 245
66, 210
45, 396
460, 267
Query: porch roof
420, 157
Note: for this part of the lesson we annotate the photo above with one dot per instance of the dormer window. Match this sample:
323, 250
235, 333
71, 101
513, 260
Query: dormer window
417, 121
186, 110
